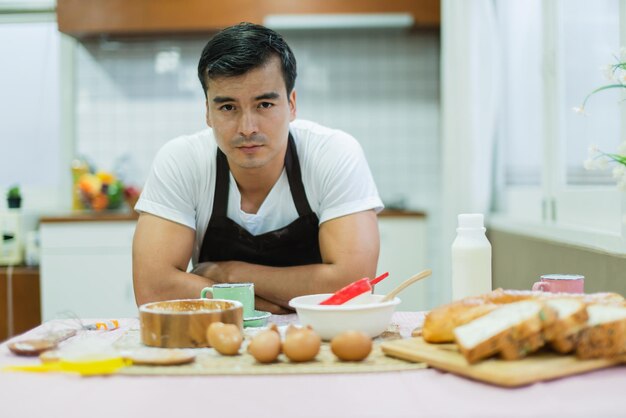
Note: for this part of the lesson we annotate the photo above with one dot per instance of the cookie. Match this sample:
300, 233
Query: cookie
160, 357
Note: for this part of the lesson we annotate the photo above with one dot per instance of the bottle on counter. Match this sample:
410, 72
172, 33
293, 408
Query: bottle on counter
11, 239
79, 168
471, 258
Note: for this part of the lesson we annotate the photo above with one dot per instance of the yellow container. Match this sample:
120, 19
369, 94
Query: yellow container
79, 168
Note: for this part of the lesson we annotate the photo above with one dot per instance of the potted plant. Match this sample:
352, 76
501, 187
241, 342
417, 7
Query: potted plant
14, 197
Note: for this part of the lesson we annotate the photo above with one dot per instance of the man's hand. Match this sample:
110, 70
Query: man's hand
349, 246
261, 304
212, 271
218, 273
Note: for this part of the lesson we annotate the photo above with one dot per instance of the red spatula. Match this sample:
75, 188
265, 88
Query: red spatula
379, 278
353, 290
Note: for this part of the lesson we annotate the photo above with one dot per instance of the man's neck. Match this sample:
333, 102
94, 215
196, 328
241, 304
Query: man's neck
256, 183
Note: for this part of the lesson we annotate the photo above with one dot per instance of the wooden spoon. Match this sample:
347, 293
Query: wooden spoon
405, 284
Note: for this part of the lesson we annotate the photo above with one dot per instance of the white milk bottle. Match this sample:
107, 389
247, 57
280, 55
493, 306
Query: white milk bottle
471, 258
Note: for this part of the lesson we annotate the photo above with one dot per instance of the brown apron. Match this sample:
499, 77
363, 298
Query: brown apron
293, 245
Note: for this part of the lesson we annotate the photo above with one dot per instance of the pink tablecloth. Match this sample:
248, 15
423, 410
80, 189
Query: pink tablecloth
420, 393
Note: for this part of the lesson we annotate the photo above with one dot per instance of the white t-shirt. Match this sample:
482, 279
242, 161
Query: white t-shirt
335, 174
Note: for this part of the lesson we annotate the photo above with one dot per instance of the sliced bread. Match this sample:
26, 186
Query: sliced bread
605, 334
516, 348
572, 316
528, 336
503, 327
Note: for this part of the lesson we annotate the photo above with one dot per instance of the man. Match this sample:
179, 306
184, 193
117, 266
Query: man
260, 197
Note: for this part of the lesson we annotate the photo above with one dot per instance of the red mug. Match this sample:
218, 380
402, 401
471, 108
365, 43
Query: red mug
561, 283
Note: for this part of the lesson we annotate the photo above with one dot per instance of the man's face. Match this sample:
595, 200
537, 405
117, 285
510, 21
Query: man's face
250, 115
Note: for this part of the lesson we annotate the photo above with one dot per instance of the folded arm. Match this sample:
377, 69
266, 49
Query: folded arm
349, 247
161, 253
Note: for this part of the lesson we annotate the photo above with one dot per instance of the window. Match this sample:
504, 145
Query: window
30, 140
589, 39
521, 110
545, 142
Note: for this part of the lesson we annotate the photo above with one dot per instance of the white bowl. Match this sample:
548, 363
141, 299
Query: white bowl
366, 314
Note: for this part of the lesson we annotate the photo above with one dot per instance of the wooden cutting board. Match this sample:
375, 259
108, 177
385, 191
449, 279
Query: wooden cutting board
535, 368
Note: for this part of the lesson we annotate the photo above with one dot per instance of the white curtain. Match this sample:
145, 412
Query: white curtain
470, 89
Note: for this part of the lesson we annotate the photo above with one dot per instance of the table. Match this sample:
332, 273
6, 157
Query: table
419, 393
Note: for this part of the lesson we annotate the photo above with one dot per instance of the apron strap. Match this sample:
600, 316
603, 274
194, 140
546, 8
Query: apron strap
294, 175
222, 180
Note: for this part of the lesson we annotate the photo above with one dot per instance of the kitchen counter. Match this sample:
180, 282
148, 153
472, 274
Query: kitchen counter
403, 213
90, 217
131, 216
423, 393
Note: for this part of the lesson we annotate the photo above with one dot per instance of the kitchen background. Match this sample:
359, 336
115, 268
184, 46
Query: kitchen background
113, 101
417, 95
382, 86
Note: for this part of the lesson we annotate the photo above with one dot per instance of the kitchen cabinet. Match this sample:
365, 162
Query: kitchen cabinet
82, 18
19, 300
86, 267
403, 254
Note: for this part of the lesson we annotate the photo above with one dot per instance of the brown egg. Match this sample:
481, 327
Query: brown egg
302, 344
294, 328
351, 346
265, 346
225, 338
273, 327
290, 329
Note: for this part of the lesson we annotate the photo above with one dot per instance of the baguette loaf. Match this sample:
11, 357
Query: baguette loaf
440, 323
605, 334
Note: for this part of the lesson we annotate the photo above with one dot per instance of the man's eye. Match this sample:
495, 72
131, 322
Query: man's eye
227, 107
266, 105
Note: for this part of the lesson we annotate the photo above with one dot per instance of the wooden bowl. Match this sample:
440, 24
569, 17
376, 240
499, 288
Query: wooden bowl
183, 323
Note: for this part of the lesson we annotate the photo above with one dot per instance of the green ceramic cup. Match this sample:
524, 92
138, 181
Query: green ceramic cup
242, 292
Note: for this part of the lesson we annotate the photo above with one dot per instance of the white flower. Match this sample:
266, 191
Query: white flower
579, 109
596, 163
619, 171
607, 70
593, 149
619, 75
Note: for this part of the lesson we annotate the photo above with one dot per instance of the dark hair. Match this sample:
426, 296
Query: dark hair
240, 48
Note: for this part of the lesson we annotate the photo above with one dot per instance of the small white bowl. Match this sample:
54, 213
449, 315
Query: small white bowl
367, 314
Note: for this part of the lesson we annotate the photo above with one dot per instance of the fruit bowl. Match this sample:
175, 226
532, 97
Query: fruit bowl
103, 191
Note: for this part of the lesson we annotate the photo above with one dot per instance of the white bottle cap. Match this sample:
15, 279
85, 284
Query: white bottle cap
471, 221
